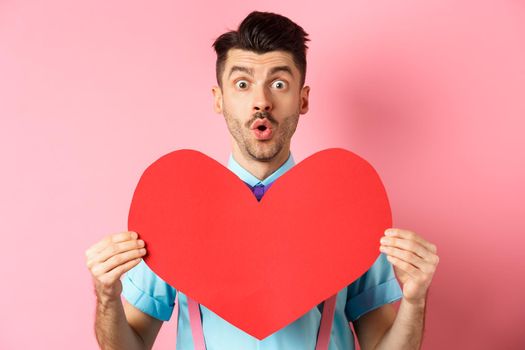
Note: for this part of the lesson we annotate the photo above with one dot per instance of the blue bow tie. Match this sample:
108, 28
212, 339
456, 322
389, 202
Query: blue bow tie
259, 190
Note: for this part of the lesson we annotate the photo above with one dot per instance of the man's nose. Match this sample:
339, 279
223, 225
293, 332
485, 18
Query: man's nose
262, 100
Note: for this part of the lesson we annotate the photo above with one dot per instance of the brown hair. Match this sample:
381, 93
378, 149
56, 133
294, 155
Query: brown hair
263, 32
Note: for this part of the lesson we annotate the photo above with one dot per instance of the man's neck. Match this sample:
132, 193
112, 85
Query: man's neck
260, 170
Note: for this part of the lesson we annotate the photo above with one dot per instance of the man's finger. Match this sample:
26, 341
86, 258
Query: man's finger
409, 235
406, 244
115, 238
409, 257
122, 269
116, 260
114, 249
410, 269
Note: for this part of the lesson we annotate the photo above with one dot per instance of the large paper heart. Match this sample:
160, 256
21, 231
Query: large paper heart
260, 265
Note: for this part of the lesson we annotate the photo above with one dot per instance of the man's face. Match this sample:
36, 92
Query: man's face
261, 100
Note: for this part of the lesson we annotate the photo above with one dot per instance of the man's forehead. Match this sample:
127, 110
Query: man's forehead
256, 61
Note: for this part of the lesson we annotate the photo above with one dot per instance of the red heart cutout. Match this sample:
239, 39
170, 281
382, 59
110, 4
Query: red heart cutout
260, 265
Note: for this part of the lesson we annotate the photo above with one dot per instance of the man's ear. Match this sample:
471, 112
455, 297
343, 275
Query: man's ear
217, 99
305, 92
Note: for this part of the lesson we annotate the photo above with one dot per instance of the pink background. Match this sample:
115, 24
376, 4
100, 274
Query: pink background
432, 94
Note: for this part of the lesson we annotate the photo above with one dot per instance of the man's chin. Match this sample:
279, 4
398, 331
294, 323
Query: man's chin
263, 156
264, 159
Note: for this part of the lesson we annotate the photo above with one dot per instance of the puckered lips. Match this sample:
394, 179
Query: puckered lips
262, 129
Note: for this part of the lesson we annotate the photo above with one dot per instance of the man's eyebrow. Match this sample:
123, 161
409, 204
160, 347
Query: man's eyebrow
286, 69
234, 69
249, 71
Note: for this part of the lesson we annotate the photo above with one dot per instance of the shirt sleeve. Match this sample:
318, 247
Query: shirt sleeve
142, 288
378, 286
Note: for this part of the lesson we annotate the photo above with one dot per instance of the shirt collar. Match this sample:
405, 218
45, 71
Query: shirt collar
251, 180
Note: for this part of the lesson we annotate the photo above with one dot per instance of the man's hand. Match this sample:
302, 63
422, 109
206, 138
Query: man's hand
414, 260
116, 328
109, 259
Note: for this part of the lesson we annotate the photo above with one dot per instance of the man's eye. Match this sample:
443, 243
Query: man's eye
279, 84
241, 84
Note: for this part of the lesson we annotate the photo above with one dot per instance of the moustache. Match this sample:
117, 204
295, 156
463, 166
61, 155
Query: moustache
262, 115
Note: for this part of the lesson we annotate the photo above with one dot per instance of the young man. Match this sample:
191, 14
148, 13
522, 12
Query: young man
260, 73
